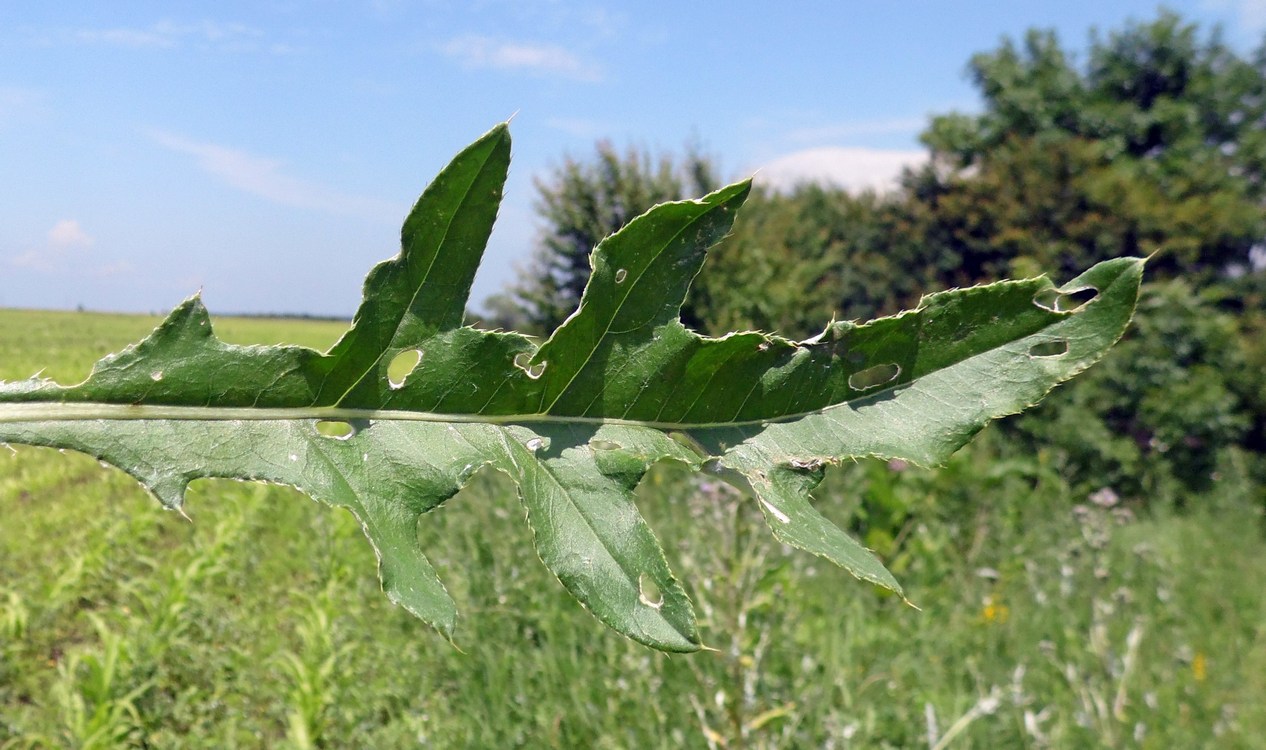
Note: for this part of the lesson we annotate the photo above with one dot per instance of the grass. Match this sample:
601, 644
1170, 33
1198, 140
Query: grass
1046, 620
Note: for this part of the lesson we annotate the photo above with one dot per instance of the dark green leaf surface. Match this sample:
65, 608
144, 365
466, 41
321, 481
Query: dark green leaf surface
577, 421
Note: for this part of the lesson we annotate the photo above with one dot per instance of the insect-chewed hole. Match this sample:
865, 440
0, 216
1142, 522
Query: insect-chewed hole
1061, 301
685, 439
621, 275
1054, 348
523, 361
772, 510
648, 592
335, 428
874, 376
402, 365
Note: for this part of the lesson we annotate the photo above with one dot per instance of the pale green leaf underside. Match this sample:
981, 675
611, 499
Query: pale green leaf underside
578, 420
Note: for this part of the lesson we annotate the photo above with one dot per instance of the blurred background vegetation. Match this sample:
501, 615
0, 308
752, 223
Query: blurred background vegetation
1153, 144
1090, 573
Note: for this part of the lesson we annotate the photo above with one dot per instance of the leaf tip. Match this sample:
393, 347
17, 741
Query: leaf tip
500, 131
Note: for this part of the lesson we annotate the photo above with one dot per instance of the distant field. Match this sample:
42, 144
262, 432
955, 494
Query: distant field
1046, 620
66, 344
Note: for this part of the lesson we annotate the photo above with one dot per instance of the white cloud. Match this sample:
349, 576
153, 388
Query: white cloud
542, 59
853, 169
33, 260
846, 130
579, 126
68, 234
1251, 14
19, 103
110, 270
263, 177
135, 38
169, 35
62, 250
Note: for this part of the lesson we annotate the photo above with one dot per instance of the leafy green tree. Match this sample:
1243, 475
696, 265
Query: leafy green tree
580, 203
1156, 143
797, 259
1157, 417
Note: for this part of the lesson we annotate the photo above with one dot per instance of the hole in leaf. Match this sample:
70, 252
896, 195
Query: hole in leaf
604, 445
1067, 301
335, 428
156, 375
683, 438
621, 275
1049, 348
402, 365
649, 593
812, 464
467, 472
773, 510
873, 376
523, 361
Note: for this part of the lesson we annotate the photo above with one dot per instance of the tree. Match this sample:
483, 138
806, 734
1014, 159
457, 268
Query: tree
1154, 144
1157, 143
797, 259
581, 203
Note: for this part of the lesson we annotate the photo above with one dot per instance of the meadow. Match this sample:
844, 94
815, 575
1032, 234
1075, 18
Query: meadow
1045, 618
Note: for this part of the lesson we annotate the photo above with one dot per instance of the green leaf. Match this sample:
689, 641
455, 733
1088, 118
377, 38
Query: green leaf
399, 414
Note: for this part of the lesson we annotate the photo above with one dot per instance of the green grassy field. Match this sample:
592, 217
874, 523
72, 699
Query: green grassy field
1045, 620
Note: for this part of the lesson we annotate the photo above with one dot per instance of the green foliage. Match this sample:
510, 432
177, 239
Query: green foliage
809, 662
1154, 144
796, 259
578, 420
582, 203
1159, 415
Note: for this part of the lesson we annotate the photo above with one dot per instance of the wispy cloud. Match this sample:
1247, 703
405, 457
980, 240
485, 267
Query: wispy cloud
19, 103
64, 248
167, 34
154, 37
1250, 14
847, 130
580, 127
263, 177
854, 169
67, 234
539, 59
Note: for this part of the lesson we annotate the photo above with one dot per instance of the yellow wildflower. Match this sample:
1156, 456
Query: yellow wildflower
995, 611
1199, 666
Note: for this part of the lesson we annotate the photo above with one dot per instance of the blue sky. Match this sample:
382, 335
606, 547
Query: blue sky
265, 152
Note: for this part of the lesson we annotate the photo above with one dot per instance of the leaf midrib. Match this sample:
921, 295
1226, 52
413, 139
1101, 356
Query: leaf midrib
59, 411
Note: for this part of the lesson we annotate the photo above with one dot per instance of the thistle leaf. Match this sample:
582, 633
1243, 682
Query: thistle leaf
402, 411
